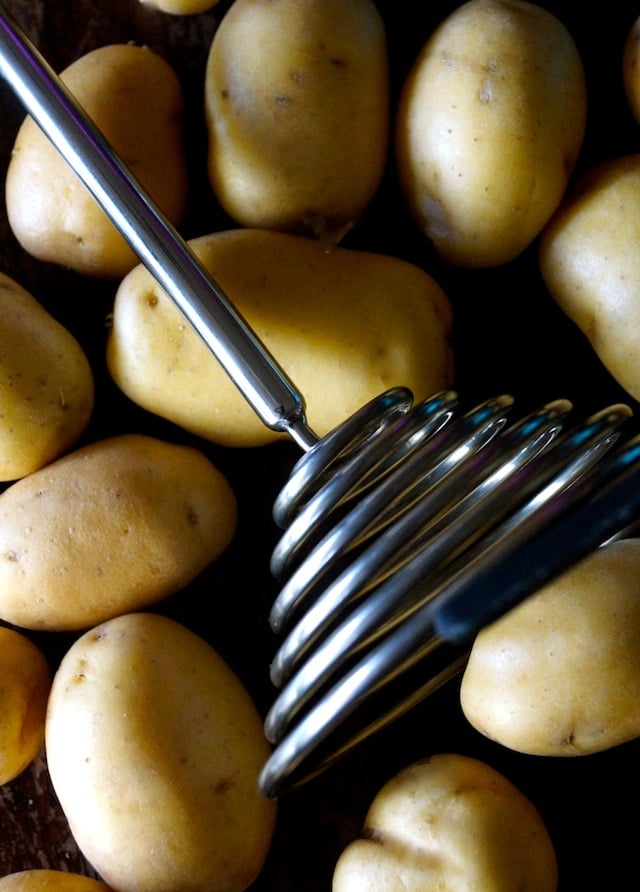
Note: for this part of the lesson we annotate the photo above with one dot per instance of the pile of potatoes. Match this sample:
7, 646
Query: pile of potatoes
153, 743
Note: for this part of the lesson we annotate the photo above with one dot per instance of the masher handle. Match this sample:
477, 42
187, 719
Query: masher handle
167, 256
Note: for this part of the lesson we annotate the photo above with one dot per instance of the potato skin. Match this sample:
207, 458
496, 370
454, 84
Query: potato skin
559, 675
589, 263
42, 880
297, 108
452, 823
181, 7
490, 122
46, 384
343, 324
111, 527
154, 746
25, 680
135, 98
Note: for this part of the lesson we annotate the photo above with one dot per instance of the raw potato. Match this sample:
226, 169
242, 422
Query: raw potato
560, 674
25, 680
490, 122
46, 384
135, 98
297, 109
181, 7
114, 526
590, 264
450, 823
631, 69
154, 748
50, 881
344, 325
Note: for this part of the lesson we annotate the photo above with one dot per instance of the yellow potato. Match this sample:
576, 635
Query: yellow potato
46, 384
154, 748
25, 680
490, 122
559, 675
297, 109
450, 823
135, 98
181, 7
111, 527
50, 881
344, 325
631, 69
590, 264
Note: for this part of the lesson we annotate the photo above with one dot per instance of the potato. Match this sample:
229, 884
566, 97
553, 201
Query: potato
450, 823
631, 69
297, 109
46, 384
490, 122
559, 675
181, 7
42, 880
116, 525
344, 325
154, 748
25, 680
590, 265
135, 98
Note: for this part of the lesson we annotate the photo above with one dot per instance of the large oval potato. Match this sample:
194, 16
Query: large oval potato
42, 880
154, 748
589, 262
297, 109
343, 324
136, 100
449, 823
113, 526
25, 680
559, 675
46, 384
490, 123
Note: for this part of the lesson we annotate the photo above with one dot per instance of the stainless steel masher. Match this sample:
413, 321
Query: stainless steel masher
406, 529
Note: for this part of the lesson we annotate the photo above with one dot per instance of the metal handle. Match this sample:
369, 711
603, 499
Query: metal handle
160, 248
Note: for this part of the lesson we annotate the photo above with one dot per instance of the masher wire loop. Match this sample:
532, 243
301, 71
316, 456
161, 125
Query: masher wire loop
482, 500
407, 528
591, 491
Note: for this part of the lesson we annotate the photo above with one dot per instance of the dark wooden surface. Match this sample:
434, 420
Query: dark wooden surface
509, 337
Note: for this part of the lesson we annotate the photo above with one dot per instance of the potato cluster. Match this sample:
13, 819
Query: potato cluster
153, 742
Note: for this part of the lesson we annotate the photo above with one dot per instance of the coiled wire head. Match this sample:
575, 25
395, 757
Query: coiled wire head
408, 529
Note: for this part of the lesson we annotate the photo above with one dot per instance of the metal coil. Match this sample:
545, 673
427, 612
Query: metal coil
401, 511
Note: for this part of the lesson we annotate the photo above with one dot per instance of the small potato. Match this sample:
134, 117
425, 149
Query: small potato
450, 823
297, 109
490, 123
589, 262
50, 881
181, 7
136, 100
343, 324
25, 680
559, 675
154, 748
46, 384
631, 69
114, 526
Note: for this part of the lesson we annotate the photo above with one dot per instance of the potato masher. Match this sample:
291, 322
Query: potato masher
407, 528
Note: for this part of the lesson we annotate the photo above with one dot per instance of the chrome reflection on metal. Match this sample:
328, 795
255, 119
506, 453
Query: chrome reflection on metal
406, 529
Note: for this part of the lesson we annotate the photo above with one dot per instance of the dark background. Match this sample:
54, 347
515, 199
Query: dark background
509, 337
